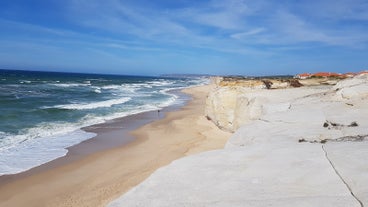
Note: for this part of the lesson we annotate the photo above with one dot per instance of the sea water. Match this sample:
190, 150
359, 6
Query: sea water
42, 113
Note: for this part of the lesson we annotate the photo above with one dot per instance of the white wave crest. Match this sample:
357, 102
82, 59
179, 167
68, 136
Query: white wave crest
25, 81
97, 89
68, 85
95, 105
111, 87
132, 88
161, 82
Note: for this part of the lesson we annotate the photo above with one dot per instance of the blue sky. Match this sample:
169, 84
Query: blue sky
238, 37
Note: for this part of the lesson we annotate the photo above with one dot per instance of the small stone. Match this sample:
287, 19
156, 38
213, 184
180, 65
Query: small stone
325, 125
353, 124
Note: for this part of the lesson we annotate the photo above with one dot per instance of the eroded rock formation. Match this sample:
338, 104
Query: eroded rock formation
291, 147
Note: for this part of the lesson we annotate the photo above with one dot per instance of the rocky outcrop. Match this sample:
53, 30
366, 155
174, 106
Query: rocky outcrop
353, 88
319, 81
231, 107
237, 102
307, 147
259, 83
253, 84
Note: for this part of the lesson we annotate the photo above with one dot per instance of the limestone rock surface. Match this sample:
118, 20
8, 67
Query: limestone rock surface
353, 88
258, 176
231, 107
307, 147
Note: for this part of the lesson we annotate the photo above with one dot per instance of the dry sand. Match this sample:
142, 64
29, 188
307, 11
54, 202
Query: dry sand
100, 177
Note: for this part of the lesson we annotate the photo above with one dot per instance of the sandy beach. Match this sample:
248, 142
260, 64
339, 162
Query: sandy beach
96, 178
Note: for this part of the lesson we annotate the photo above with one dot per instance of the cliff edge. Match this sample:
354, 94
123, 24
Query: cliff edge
291, 147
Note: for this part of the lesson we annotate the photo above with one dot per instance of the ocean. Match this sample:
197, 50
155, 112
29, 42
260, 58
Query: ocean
42, 113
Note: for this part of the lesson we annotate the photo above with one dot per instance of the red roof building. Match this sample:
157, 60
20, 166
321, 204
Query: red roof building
303, 76
326, 74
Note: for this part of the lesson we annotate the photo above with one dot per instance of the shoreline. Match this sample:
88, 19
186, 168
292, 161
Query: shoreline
111, 134
99, 177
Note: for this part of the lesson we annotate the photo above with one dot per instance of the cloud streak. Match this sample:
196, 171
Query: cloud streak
217, 24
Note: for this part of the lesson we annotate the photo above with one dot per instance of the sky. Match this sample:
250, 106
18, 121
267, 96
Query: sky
220, 37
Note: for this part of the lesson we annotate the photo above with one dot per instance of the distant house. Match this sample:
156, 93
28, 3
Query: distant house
303, 76
327, 74
350, 75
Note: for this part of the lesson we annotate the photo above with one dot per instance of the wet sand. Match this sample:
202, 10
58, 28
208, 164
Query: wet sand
101, 169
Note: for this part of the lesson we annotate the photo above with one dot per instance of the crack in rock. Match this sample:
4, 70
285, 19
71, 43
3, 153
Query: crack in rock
342, 179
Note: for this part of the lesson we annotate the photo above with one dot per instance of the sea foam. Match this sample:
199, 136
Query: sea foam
94, 105
35, 152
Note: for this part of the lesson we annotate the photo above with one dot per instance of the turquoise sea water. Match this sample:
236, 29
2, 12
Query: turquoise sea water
41, 113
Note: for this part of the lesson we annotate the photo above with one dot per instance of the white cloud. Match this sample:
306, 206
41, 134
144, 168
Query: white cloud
123, 18
234, 26
247, 34
338, 9
219, 14
298, 29
288, 28
26, 27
